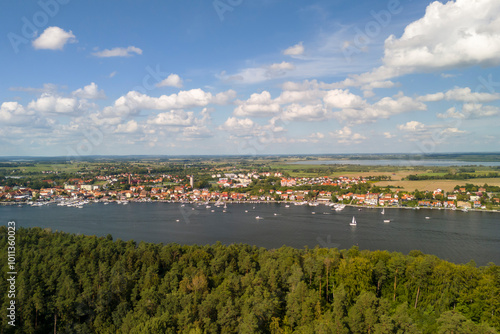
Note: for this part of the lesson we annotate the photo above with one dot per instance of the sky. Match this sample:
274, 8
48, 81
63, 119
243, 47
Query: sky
219, 77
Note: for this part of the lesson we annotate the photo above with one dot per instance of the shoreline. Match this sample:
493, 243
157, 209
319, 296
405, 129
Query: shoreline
212, 202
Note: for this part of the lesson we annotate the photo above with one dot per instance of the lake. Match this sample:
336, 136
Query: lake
398, 162
452, 235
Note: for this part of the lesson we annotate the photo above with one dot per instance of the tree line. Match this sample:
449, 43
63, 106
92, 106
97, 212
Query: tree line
70, 283
451, 176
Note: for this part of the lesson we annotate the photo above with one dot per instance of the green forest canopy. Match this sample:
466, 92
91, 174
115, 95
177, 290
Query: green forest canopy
86, 284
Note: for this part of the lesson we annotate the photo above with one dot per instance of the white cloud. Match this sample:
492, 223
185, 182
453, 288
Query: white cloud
174, 118
54, 104
384, 108
432, 97
129, 127
466, 95
112, 74
134, 102
47, 88
196, 131
309, 85
346, 136
296, 50
310, 95
378, 84
118, 52
368, 93
53, 38
173, 80
449, 132
13, 113
471, 110
281, 66
388, 135
89, 92
259, 74
259, 105
343, 99
460, 94
308, 113
317, 135
224, 97
454, 34
412, 126
239, 127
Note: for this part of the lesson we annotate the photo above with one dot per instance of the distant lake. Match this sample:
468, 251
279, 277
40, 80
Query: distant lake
398, 162
452, 235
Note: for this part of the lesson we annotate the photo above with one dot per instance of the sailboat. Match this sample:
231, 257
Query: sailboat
383, 211
353, 223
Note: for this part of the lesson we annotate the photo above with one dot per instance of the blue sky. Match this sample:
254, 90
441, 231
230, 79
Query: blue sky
248, 77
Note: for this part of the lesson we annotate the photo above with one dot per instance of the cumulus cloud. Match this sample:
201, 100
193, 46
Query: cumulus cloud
173, 80
129, 127
239, 127
466, 95
417, 131
174, 118
308, 113
346, 136
296, 50
259, 105
454, 34
196, 131
13, 113
118, 52
133, 102
291, 96
54, 104
432, 97
412, 126
471, 110
89, 92
342, 99
53, 38
461, 94
384, 108
224, 97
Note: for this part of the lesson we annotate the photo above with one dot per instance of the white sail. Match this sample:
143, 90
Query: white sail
353, 223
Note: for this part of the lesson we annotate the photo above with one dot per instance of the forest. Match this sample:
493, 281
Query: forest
70, 283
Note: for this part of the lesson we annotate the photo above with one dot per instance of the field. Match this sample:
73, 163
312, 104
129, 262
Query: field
38, 168
446, 185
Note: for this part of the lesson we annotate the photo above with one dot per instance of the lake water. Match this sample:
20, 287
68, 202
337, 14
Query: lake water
397, 162
452, 235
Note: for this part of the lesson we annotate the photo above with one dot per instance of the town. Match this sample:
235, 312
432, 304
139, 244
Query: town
217, 185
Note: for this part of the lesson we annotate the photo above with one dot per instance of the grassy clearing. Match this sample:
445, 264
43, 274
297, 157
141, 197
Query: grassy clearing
38, 168
446, 185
